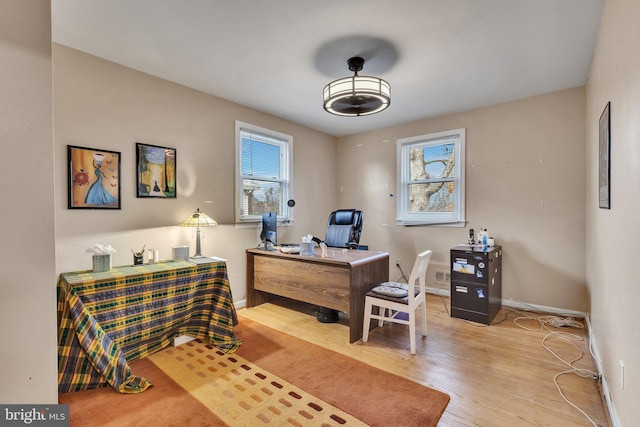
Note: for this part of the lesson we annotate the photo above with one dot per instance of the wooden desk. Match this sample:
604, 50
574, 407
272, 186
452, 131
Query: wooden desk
339, 282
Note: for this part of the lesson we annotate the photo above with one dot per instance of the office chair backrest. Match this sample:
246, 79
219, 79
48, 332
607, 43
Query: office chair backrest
344, 228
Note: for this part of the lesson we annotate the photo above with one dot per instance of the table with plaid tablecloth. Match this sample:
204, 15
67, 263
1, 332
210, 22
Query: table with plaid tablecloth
108, 319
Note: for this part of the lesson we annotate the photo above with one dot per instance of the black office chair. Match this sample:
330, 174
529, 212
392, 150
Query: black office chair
344, 228
343, 231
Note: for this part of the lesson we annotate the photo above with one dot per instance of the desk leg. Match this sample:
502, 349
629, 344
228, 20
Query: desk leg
355, 327
363, 279
254, 297
357, 320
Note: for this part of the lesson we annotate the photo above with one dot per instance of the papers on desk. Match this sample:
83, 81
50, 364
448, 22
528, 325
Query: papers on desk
206, 260
290, 249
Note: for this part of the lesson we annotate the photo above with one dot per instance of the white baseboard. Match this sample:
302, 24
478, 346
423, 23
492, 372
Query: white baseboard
445, 291
606, 394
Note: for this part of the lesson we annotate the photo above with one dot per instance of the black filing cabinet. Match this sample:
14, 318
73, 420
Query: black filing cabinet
476, 282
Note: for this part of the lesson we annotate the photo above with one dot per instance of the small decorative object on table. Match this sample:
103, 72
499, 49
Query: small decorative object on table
138, 256
323, 248
101, 257
180, 253
154, 256
306, 245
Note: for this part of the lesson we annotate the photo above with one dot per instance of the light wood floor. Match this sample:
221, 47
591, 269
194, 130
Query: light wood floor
498, 375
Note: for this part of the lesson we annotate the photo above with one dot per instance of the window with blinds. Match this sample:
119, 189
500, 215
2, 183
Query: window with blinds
263, 177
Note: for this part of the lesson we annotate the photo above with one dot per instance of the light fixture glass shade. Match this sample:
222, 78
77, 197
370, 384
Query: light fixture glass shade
357, 96
198, 219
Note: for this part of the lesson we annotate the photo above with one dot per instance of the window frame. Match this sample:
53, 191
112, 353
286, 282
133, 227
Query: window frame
285, 142
404, 145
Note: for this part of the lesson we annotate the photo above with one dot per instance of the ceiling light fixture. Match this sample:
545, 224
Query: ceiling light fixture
356, 95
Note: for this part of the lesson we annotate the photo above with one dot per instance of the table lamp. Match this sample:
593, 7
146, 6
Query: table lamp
198, 219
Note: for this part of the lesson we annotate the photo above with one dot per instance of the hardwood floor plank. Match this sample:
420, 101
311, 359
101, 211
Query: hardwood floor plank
498, 375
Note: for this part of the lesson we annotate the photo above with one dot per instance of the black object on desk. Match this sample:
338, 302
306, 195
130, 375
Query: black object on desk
476, 282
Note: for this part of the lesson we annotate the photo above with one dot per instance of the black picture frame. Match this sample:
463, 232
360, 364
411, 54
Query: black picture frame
93, 178
604, 158
156, 169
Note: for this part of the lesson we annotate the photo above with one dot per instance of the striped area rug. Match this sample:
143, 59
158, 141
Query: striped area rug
243, 394
274, 379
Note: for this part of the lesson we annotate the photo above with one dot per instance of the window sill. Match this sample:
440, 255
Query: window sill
458, 224
256, 223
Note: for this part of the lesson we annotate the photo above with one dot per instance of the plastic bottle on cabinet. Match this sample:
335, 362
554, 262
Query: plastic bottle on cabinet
485, 237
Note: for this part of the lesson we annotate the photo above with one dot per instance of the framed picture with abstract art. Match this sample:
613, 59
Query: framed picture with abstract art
156, 171
604, 173
93, 178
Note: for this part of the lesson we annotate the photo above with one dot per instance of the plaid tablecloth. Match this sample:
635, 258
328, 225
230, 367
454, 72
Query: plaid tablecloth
108, 319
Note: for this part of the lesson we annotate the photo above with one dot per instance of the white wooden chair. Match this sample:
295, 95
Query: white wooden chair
393, 298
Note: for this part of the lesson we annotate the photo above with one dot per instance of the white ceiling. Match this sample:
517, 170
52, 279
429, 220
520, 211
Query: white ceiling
440, 56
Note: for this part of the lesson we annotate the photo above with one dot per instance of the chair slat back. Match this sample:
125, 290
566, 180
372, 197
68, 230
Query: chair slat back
419, 271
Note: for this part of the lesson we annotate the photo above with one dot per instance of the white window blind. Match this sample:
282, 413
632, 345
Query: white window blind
263, 172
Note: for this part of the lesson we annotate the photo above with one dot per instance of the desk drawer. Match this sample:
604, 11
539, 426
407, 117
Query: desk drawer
314, 283
469, 296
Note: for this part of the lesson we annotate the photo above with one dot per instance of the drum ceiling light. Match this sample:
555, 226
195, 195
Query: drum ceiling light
356, 95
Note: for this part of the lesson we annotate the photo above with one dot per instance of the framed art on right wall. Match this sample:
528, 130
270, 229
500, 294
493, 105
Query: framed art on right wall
604, 173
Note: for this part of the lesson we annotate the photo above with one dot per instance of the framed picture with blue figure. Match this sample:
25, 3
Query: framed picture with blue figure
156, 171
93, 178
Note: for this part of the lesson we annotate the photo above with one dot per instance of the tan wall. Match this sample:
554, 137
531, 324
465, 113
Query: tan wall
525, 169
525, 174
525, 178
99, 104
613, 235
28, 363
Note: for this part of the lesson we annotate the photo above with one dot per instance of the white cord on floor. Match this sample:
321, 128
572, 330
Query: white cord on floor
558, 322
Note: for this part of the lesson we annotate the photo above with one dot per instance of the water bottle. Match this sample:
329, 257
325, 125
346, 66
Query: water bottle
485, 236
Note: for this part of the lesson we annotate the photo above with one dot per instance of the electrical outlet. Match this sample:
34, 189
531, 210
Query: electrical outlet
397, 262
